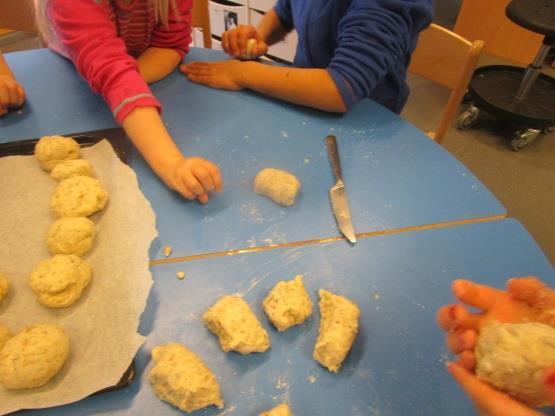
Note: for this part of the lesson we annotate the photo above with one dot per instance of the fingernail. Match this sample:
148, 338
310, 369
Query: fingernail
453, 312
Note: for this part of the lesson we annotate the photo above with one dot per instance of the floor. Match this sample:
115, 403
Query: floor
523, 181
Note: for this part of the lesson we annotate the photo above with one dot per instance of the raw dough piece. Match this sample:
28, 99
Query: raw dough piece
511, 358
4, 287
33, 356
281, 410
236, 326
71, 235
338, 329
288, 304
5, 335
70, 168
251, 43
79, 196
279, 185
59, 281
181, 378
50, 151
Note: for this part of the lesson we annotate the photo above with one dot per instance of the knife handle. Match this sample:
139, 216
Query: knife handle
333, 152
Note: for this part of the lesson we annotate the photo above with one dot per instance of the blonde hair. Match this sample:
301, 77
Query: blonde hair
162, 10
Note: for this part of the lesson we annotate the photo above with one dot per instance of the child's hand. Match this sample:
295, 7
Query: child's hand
235, 42
526, 299
223, 75
194, 178
12, 94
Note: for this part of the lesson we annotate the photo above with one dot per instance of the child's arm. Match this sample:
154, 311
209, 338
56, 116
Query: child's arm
192, 177
157, 63
12, 94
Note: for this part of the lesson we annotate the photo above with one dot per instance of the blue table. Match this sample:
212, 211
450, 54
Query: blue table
396, 177
396, 366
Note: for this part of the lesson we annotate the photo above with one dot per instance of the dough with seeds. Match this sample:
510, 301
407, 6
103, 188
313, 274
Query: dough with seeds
33, 356
5, 335
281, 410
281, 186
71, 235
60, 280
236, 326
4, 287
70, 168
80, 196
181, 378
511, 357
338, 329
50, 151
288, 304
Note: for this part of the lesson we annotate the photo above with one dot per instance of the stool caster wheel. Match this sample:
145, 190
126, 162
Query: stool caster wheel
468, 118
524, 138
548, 130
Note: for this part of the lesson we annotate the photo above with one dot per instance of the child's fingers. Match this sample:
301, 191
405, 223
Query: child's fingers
3, 110
532, 291
192, 184
203, 199
4, 97
225, 41
452, 317
216, 176
467, 360
479, 296
461, 340
21, 95
203, 175
548, 379
233, 44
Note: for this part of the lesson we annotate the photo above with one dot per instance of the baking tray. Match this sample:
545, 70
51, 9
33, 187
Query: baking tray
115, 136
122, 148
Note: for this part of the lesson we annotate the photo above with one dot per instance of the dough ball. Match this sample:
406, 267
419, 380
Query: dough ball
338, 329
79, 196
70, 168
249, 53
5, 335
279, 185
4, 287
288, 304
181, 378
236, 326
59, 281
281, 410
53, 150
511, 358
33, 356
71, 235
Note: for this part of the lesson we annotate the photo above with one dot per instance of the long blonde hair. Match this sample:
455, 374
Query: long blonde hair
162, 10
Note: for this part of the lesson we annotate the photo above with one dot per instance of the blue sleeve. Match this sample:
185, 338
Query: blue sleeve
372, 38
283, 10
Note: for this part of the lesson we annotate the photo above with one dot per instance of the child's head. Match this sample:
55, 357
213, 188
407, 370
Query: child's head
161, 8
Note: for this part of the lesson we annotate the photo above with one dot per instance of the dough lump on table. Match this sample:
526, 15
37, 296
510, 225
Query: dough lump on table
59, 281
236, 326
71, 235
33, 356
281, 410
5, 335
181, 378
338, 329
279, 185
288, 304
70, 168
79, 196
50, 151
511, 358
4, 287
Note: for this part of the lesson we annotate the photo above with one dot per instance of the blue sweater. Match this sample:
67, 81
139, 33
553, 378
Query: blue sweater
364, 44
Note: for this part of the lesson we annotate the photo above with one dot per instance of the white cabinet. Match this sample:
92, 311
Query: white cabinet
283, 50
226, 16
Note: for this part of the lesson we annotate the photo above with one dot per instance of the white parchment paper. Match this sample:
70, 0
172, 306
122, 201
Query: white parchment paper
103, 324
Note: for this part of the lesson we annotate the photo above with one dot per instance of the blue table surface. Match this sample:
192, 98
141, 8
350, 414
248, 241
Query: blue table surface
395, 176
397, 363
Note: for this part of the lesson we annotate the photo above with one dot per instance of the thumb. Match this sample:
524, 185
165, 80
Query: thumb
536, 294
548, 377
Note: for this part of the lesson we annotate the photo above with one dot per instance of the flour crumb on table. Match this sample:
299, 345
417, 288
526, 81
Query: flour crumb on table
312, 379
180, 275
167, 251
280, 186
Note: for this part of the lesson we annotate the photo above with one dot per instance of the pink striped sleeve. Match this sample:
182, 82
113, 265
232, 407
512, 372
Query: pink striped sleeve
90, 39
177, 35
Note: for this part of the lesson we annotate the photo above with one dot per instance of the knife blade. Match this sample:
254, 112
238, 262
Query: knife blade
338, 195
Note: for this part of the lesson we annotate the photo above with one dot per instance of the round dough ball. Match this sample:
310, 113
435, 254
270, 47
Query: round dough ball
71, 168
59, 281
279, 185
4, 287
5, 335
79, 196
53, 150
71, 235
33, 356
511, 358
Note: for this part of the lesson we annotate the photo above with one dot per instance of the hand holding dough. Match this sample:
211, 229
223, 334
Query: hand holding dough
281, 186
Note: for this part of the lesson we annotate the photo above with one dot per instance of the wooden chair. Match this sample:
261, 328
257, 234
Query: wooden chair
17, 15
201, 19
448, 59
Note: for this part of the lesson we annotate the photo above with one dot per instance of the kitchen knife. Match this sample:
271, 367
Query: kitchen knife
338, 196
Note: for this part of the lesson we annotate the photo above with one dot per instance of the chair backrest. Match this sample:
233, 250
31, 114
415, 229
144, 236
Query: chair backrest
201, 19
448, 59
